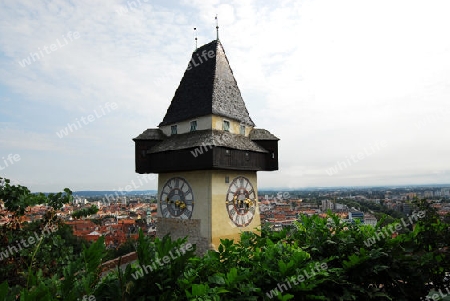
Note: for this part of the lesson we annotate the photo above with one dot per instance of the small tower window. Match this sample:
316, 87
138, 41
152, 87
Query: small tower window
242, 129
193, 125
173, 129
226, 125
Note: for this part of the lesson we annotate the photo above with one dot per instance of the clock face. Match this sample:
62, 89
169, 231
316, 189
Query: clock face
177, 199
241, 201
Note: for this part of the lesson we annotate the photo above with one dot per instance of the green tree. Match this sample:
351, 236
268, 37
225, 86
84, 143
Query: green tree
45, 245
85, 212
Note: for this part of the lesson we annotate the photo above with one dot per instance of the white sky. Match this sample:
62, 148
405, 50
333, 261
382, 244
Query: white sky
329, 78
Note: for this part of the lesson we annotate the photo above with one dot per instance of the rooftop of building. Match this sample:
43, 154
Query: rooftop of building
206, 138
208, 87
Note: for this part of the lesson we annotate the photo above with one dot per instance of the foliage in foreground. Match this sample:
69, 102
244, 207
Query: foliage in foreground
319, 259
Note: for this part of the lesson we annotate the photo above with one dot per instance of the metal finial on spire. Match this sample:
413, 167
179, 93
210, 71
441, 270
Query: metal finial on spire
217, 28
195, 33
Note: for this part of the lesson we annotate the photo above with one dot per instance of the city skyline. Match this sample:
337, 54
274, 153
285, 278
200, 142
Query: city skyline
357, 91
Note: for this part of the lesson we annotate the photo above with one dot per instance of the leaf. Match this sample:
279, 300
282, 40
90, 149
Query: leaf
232, 276
282, 266
216, 279
199, 289
3, 290
285, 297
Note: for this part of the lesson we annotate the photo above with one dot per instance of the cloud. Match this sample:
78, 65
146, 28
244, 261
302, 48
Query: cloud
13, 139
327, 77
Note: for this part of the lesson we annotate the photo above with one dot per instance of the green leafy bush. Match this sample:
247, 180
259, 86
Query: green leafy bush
271, 266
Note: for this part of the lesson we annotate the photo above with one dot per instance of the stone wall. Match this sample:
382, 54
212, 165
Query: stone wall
180, 228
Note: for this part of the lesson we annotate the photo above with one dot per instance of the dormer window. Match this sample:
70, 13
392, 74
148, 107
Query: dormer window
173, 129
193, 125
226, 125
242, 129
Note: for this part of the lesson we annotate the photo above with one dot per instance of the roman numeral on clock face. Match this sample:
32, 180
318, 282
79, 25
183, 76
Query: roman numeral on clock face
232, 211
237, 219
246, 218
241, 220
166, 190
188, 194
246, 185
165, 211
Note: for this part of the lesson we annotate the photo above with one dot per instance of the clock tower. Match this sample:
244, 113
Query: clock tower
206, 152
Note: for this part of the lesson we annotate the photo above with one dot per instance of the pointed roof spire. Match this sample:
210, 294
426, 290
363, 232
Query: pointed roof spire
208, 87
195, 33
217, 28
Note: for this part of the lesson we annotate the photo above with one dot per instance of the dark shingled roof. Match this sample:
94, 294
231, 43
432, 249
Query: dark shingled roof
207, 138
151, 134
207, 87
262, 134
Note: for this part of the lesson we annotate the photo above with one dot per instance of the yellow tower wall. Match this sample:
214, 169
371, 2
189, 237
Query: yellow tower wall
210, 220
200, 182
222, 226
217, 124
